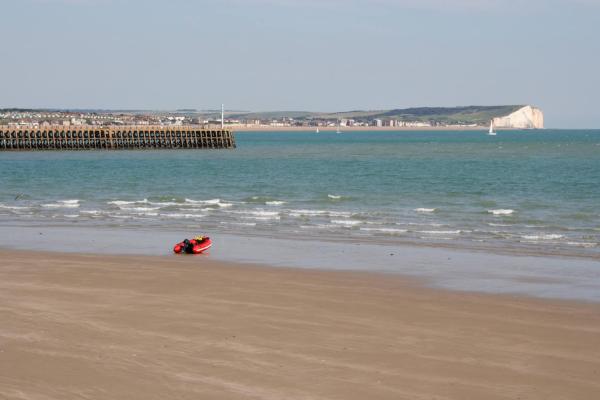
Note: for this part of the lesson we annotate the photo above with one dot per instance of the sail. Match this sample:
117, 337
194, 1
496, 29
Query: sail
492, 126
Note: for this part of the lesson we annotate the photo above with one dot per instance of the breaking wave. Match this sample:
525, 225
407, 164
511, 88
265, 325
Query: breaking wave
425, 210
501, 212
63, 204
542, 237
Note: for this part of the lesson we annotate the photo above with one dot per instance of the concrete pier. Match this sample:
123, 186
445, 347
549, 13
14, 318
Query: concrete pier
114, 138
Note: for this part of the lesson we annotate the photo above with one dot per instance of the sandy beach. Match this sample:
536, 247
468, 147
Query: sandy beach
116, 327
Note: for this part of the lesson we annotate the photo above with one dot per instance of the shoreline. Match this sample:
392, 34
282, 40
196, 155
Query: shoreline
502, 249
536, 276
188, 327
267, 128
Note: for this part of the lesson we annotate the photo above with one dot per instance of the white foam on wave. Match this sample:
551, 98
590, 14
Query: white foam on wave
501, 212
124, 202
13, 207
91, 212
121, 216
391, 231
318, 226
457, 232
346, 222
71, 215
434, 224
342, 214
194, 209
550, 236
334, 197
317, 213
256, 213
275, 203
140, 209
63, 204
263, 218
173, 203
310, 212
304, 213
259, 215
212, 202
437, 238
501, 225
181, 215
425, 210
146, 214
163, 204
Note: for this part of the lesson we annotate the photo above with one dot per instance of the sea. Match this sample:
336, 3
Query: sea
529, 192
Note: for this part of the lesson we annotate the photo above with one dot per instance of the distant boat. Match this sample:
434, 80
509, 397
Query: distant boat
338, 129
492, 132
317, 131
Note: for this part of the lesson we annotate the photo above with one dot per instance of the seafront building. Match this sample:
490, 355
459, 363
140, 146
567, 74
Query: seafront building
525, 117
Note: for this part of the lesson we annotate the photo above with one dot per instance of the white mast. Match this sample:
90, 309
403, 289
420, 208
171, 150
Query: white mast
222, 116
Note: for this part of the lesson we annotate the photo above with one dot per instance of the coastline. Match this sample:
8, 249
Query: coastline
187, 327
439, 266
268, 128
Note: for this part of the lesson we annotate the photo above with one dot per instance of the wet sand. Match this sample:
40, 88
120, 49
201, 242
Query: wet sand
124, 327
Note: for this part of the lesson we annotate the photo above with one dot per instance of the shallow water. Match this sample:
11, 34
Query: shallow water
568, 278
534, 190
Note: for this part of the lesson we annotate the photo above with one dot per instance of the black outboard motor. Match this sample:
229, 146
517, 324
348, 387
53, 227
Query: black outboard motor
188, 247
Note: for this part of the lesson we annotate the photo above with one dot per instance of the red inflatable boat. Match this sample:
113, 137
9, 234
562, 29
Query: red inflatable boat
195, 246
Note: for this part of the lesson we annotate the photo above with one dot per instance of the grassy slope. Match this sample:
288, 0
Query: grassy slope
467, 115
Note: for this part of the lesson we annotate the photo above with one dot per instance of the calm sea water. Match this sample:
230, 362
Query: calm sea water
532, 190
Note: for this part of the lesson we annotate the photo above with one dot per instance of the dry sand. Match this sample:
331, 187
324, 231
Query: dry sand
119, 327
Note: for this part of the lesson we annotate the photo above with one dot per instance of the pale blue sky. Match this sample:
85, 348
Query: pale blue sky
303, 54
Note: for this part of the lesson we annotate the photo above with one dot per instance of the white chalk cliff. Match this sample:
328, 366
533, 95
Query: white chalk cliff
527, 117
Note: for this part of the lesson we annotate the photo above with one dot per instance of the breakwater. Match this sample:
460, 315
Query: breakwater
114, 138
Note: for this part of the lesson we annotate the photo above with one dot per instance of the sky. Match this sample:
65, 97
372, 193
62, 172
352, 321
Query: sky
315, 55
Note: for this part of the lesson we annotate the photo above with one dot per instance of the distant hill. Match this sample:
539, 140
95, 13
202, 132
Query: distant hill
504, 116
480, 115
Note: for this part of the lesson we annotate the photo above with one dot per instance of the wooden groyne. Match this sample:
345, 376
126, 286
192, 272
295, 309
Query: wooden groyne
114, 138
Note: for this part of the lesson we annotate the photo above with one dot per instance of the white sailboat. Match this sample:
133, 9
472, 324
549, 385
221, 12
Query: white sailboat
317, 131
492, 132
338, 129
